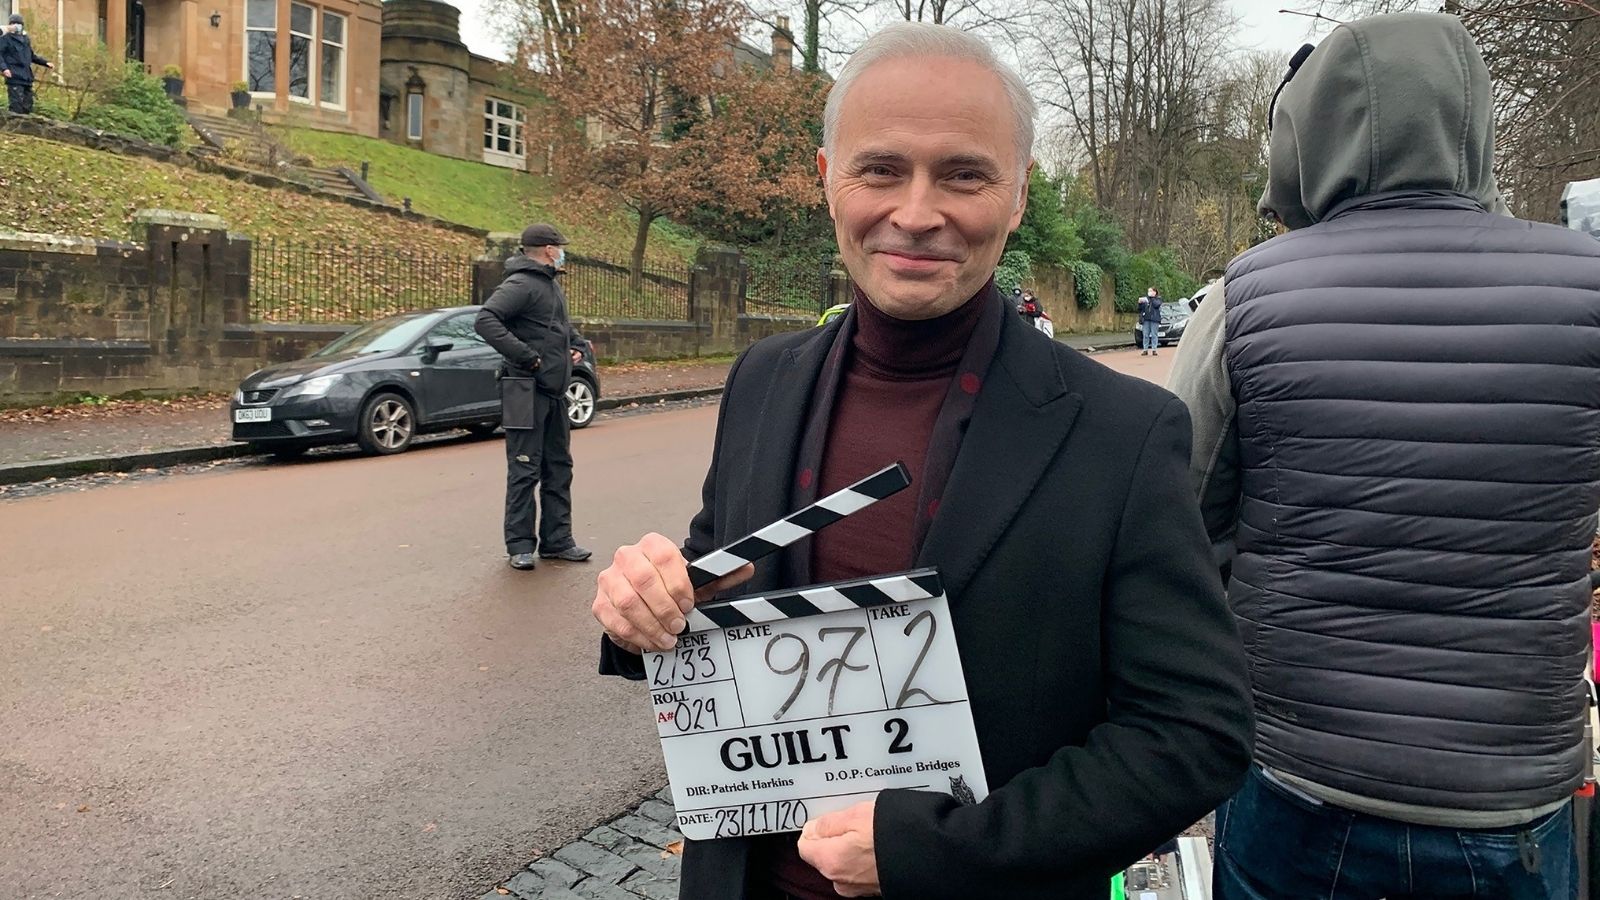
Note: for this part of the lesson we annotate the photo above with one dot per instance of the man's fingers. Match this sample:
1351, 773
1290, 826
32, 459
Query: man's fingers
731, 580
674, 571
656, 610
824, 827
626, 614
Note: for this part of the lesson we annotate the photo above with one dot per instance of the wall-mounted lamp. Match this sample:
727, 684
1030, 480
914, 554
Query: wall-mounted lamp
216, 19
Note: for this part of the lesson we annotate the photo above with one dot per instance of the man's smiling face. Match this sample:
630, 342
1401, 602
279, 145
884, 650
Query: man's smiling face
924, 184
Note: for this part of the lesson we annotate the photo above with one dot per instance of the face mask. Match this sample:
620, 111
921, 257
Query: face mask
561, 257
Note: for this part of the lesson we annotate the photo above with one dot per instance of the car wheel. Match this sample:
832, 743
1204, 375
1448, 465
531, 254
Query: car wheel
483, 429
580, 403
388, 423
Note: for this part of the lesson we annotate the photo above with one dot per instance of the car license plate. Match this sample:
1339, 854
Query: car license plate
252, 415
777, 709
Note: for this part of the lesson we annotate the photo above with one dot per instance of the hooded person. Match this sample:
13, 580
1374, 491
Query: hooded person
1396, 409
17, 60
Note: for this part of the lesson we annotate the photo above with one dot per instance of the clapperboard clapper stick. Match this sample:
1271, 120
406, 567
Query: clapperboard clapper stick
804, 523
857, 593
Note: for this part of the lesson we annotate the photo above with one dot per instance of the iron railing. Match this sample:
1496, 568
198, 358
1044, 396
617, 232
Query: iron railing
786, 285
327, 283
599, 288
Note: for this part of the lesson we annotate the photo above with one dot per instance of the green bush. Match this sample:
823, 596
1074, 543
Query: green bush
121, 100
793, 279
1014, 269
1086, 283
148, 107
1047, 234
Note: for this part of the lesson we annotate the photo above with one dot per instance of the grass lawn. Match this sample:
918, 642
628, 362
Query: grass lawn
64, 189
481, 195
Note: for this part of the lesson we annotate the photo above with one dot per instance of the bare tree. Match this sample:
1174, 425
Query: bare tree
1131, 80
1227, 168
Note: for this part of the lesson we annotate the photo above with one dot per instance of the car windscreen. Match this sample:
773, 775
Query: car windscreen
1174, 310
393, 333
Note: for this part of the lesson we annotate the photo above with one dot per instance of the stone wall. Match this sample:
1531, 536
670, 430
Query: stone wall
1055, 289
170, 314
81, 316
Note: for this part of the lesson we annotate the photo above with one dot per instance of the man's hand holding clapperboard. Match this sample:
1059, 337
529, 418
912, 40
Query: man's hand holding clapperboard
791, 711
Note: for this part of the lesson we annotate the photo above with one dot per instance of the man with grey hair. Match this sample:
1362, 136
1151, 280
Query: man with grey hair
1106, 681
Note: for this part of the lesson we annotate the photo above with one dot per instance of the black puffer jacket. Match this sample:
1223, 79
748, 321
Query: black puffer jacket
526, 320
1408, 448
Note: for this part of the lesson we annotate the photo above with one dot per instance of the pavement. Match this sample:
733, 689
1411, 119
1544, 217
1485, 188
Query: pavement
319, 679
119, 436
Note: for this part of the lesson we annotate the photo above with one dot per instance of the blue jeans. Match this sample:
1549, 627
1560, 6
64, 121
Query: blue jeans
1275, 843
1152, 335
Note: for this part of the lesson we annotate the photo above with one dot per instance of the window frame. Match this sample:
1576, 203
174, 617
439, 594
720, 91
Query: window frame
312, 81
267, 29
414, 116
468, 333
341, 88
517, 120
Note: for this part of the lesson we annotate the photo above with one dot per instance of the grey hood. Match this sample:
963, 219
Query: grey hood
1386, 104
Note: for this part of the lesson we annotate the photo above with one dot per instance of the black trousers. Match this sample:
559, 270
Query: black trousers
539, 457
20, 95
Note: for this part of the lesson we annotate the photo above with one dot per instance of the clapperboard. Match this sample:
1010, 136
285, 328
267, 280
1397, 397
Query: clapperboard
778, 708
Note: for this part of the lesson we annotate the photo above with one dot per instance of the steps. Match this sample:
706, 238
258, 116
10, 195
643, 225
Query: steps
245, 142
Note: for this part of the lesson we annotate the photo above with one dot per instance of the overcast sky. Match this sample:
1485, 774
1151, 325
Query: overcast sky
1261, 27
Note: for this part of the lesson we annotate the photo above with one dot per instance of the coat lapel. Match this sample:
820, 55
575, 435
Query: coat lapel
775, 451
1023, 415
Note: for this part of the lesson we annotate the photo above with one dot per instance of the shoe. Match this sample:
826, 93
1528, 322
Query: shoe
571, 554
523, 561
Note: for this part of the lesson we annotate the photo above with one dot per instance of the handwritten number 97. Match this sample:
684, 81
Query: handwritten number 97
838, 665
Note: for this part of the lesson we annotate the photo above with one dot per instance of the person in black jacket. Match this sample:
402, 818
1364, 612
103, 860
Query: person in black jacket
17, 60
526, 320
1107, 681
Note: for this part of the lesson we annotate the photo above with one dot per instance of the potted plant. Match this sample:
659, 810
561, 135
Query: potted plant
240, 95
172, 77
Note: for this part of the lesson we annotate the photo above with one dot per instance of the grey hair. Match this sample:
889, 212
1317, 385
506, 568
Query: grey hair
922, 39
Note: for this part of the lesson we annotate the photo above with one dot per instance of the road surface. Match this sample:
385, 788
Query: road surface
320, 679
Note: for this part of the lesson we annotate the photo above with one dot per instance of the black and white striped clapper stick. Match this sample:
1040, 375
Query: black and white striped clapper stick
858, 593
789, 529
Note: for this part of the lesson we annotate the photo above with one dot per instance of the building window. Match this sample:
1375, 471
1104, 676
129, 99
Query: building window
502, 132
332, 59
261, 45
302, 37
414, 116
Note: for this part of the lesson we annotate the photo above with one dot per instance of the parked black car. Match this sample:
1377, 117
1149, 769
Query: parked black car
384, 383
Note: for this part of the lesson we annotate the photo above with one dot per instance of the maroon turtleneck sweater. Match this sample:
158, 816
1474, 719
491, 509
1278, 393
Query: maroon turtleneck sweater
896, 376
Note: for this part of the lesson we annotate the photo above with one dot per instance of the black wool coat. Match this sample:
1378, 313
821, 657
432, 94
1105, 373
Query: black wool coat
1105, 674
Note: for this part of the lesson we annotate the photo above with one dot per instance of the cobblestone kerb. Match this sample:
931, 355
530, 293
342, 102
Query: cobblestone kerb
635, 855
